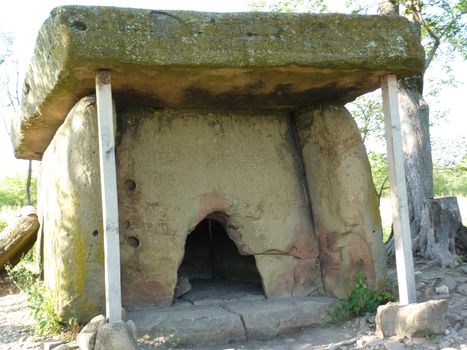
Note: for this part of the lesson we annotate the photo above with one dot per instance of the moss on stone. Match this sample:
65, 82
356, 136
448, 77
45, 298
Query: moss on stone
207, 60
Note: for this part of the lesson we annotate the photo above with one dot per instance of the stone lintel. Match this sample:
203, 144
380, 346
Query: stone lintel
180, 59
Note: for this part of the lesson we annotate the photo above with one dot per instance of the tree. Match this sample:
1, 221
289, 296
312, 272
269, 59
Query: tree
11, 93
415, 113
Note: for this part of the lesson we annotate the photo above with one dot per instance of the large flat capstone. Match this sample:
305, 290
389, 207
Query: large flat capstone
183, 59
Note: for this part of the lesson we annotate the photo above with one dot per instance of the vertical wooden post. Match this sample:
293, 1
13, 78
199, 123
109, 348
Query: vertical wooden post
400, 211
109, 195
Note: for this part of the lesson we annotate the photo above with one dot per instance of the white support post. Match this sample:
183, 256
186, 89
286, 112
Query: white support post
400, 210
109, 196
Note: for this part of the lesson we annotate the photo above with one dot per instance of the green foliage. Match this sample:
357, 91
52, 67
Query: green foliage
379, 171
3, 224
451, 179
288, 6
13, 191
40, 299
441, 20
362, 300
367, 111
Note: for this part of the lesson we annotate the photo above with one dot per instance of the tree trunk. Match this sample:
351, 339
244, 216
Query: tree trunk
16, 239
417, 148
441, 222
28, 183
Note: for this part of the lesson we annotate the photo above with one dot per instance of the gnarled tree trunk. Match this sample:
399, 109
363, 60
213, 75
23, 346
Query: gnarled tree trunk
441, 222
417, 149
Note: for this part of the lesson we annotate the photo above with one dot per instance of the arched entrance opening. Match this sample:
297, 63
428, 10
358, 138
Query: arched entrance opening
212, 262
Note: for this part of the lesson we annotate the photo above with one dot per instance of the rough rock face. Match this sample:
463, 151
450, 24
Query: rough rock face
413, 320
177, 168
343, 198
188, 59
69, 191
174, 169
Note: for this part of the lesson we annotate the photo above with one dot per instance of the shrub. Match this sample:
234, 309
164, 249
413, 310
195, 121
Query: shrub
3, 224
40, 298
362, 300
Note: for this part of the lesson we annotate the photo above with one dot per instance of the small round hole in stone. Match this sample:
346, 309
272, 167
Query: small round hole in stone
80, 26
95, 233
130, 185
133, 242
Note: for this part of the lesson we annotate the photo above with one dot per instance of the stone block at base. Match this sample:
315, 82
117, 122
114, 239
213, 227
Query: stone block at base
116, 335
413, 320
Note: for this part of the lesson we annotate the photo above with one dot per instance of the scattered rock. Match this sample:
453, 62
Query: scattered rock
115, 336
462, 289
411, 320
87, 336
62, 347
393, 345
450, 282
442, 290
445, 344
52, 344
183, 286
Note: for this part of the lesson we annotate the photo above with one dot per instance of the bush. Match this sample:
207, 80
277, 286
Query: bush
3, 224
362, 300
40, 299
13, 191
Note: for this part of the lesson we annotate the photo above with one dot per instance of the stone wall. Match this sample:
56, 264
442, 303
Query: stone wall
344, 202
174, 170
71, 215
186, 165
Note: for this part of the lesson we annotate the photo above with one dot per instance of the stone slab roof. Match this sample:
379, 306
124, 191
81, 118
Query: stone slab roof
179, 59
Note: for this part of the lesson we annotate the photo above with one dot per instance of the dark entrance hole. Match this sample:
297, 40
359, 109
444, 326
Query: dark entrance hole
212, 260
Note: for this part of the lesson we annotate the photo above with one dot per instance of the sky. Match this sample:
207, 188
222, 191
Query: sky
23, 18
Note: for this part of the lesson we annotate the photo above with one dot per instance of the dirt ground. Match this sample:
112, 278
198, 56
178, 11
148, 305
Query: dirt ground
16, 324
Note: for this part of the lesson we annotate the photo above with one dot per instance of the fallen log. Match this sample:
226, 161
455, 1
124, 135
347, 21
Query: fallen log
18, 238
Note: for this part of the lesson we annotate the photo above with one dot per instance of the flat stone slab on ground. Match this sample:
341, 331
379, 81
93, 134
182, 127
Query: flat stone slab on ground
232, 322
220, 292
189, 324
272, 317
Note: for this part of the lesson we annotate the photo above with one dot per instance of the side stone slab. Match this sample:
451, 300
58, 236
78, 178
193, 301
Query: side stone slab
188, 59
343, 198
72, 221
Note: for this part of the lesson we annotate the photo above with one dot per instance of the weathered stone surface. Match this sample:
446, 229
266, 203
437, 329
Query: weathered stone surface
62, 347
284, 275
270, 318
443, 290
413, 320
462, 289
51, 344
234, 321
343, 198
182, 167
18, 237
87, 336
277, 272
189, 325
115, 336
186, 166
183, 286
189, 59
69, 193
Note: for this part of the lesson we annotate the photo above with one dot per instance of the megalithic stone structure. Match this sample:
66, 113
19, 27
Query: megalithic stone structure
235, 157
